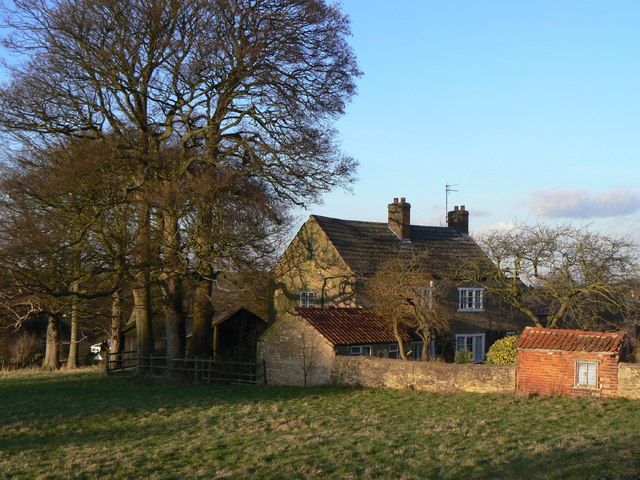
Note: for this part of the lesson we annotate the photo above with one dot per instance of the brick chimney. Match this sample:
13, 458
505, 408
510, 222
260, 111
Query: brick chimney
459, 218
400, 218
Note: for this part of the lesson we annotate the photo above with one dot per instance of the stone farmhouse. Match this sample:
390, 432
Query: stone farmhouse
318, 288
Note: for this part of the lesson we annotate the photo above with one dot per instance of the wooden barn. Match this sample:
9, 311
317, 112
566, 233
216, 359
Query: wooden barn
236, 333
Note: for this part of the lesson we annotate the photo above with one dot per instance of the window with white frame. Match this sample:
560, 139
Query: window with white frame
307, 299
471, 299
587, 374
426, 295
361, 350
474, 342
393, 350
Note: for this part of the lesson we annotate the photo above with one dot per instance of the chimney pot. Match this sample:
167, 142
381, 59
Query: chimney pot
395, 199
459, 218
403, 200
400, 218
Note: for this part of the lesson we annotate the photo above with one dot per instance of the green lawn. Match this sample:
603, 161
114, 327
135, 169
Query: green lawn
82, 425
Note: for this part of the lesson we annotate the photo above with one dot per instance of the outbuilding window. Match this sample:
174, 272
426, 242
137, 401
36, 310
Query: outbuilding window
361, 350
587, 374
307, 299
471, 299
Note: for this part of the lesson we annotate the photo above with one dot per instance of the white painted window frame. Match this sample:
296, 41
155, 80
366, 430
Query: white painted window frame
477, 299
356, 350
479, 355
307, 299
577, 381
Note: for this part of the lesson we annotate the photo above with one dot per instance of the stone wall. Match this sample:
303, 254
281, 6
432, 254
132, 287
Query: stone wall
429, 376
312, 263
289, 347
629, 380
552, 372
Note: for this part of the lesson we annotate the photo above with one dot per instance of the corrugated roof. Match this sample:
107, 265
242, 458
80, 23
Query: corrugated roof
349, 326
365, 246
537, 338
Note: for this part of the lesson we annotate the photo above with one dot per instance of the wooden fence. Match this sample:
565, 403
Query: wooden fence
197, 370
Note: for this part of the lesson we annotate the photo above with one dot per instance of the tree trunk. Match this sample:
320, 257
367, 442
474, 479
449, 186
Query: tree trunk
142, 280
426, 341
174, 316
51, 361
72, 360
396, 333
116, 340
202, 318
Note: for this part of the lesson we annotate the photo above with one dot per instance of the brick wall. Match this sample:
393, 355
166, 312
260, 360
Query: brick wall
629, 380
551, 372
431, 376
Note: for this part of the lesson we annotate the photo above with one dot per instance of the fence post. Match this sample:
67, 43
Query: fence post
264, 371
104, 355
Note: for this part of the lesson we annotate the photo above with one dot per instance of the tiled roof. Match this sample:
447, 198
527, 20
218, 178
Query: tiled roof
349, 326
365, 246
537, 338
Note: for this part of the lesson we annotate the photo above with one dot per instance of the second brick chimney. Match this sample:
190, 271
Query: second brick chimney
459, 218
400, 218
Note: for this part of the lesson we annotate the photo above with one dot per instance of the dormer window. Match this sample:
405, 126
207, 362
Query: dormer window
471, 299
307, 299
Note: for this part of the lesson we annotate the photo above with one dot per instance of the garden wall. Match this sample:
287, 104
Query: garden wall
629, 380
430, 376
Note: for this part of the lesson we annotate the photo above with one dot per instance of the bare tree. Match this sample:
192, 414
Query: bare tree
246, 89
560, 275
405, 294
309, 348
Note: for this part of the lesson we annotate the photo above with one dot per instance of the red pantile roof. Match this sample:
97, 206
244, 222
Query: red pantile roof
537, 338
349, 326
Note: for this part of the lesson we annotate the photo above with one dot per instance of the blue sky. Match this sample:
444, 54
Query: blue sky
532, 108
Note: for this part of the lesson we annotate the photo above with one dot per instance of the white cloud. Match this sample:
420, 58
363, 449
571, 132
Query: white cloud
479, 212
579, 203
494, 227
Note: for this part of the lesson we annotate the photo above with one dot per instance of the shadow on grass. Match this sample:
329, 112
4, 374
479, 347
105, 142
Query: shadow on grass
83, 393
489, 436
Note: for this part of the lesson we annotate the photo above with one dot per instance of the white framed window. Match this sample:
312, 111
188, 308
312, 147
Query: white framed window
474, 342
471, 299
307, 299
426, 295
587, 374
361, 350
416, 351
393, 350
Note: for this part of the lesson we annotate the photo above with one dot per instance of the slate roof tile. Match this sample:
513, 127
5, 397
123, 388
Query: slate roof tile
365, 246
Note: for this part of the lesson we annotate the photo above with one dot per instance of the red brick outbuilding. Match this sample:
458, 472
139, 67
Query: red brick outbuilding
568, 362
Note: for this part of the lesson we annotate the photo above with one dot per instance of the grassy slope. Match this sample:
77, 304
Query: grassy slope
82, 425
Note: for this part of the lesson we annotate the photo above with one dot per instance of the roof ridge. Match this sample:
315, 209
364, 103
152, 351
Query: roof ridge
314, 215
573, 330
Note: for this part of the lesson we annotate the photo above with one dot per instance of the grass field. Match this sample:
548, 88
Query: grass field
82, 425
